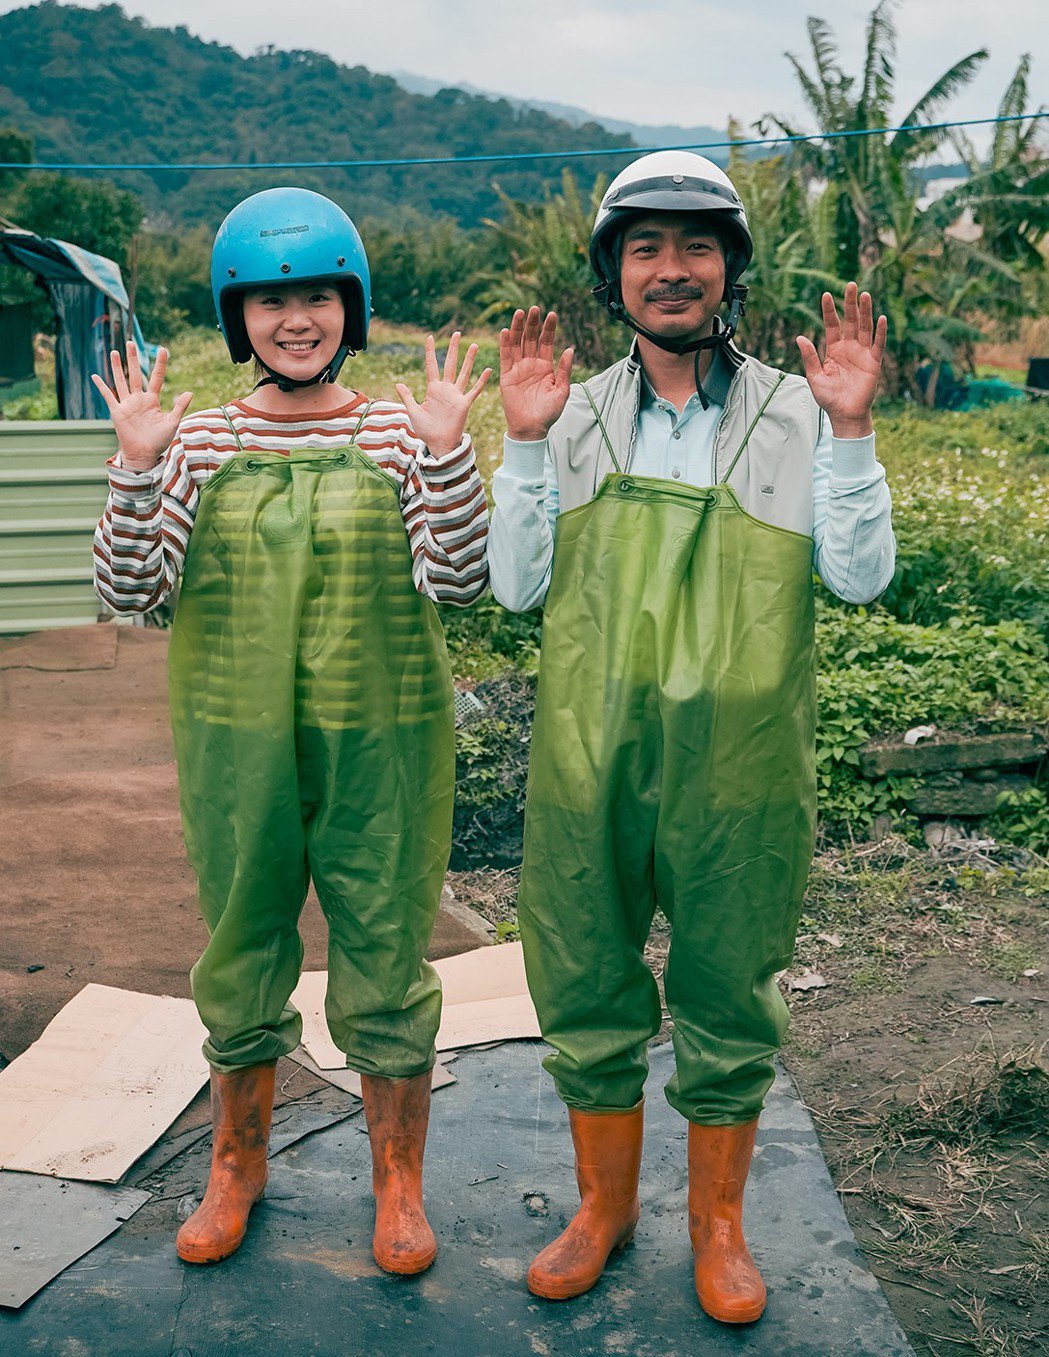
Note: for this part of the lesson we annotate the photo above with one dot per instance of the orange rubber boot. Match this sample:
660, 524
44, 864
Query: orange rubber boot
241, 1111
728, 1284
607, 1170
397, 1112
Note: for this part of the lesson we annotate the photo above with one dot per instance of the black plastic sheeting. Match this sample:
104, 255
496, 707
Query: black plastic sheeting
499, 1186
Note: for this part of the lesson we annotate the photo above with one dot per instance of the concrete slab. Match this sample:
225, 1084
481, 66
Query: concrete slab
500, 1186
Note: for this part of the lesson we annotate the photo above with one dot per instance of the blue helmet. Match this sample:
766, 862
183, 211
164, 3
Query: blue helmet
288, 235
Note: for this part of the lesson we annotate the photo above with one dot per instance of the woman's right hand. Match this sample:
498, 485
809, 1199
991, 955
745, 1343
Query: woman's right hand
144, 431
533, 388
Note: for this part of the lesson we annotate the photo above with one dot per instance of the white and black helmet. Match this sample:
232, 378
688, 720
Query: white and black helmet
670, 181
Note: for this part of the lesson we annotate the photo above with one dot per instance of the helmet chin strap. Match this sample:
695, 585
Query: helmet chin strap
326, 376
737, 309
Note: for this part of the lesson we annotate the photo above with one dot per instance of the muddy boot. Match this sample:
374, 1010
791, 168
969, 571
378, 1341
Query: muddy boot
607, 1169
728, 1284
397, 1112
241, 1110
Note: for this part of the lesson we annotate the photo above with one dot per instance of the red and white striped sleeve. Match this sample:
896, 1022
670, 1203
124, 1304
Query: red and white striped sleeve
140, 542
443, 505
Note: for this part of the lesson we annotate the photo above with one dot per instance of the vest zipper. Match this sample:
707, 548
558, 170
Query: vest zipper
733, 396
633, 422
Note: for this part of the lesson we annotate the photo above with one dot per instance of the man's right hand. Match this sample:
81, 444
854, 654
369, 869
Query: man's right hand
144, 431
533, 388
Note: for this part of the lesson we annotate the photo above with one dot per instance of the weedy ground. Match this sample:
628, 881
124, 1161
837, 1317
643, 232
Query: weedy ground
932, 1109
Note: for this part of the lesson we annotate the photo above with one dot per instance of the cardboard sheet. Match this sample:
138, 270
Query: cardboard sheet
50, 1223
109, 1074
350, 1081
487, 1021
485, 999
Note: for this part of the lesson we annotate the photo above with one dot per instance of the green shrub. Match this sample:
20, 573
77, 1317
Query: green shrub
1023, 817
491, 771
880, 676
485, 638
971, 512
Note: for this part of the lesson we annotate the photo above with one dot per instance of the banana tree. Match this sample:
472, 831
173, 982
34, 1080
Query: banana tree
548, 245
1008, 191
794, 257
866, 169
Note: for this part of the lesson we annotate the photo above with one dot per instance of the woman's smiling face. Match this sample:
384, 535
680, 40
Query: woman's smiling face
295, 328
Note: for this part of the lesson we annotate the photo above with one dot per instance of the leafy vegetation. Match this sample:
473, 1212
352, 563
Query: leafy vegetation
879, 676
549, 259
971, 503
961, 637
864, 217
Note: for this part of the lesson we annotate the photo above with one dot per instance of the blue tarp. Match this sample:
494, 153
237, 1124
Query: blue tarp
91, 304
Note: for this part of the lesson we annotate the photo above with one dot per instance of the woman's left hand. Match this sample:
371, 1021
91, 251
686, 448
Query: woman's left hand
441, 417
846, 382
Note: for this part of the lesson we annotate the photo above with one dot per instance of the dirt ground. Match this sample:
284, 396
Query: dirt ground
932, 1108
96, 888
924, 1063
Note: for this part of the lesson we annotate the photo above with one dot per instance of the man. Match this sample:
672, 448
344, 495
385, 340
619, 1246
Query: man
670, 512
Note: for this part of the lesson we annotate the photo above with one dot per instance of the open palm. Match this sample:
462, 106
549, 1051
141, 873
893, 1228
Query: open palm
440, 418
534, 389
846, 381
144, 430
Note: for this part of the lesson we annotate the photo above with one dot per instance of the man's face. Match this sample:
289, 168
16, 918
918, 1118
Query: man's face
672, 273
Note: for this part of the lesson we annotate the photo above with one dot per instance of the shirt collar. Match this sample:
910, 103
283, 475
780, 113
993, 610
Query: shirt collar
716, 384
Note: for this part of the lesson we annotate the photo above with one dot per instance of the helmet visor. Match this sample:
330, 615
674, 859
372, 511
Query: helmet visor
677, 193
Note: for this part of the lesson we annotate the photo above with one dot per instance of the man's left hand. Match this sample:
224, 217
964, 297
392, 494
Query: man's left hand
846, 382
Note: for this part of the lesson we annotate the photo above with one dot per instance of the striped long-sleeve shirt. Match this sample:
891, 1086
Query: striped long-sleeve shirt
140, 543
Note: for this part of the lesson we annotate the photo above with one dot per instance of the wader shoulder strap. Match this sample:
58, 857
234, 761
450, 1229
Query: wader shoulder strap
233, 427
360, 422
604, 431
753, 425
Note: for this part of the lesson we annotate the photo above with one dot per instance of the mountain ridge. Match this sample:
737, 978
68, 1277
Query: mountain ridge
97, 85
644, 134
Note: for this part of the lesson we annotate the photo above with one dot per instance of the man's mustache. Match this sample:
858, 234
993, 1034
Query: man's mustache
674, 294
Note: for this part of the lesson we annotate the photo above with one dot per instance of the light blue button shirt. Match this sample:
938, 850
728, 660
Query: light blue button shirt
854, 550
675, 445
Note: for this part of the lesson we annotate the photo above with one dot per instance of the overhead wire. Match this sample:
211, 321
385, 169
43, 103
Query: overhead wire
155, 167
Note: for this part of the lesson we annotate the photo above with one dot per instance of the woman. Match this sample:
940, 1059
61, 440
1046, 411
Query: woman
311, 697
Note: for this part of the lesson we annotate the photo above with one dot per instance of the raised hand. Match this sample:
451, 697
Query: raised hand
846, 382
144, 431
533, 388
440, 419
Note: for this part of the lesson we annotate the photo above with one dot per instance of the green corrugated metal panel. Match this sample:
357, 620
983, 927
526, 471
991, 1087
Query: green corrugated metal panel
52, 493
48, 605
40, 499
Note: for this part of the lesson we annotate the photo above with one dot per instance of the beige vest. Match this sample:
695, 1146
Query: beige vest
773, 478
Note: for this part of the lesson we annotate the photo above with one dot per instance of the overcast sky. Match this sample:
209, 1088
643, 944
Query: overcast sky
654, 61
